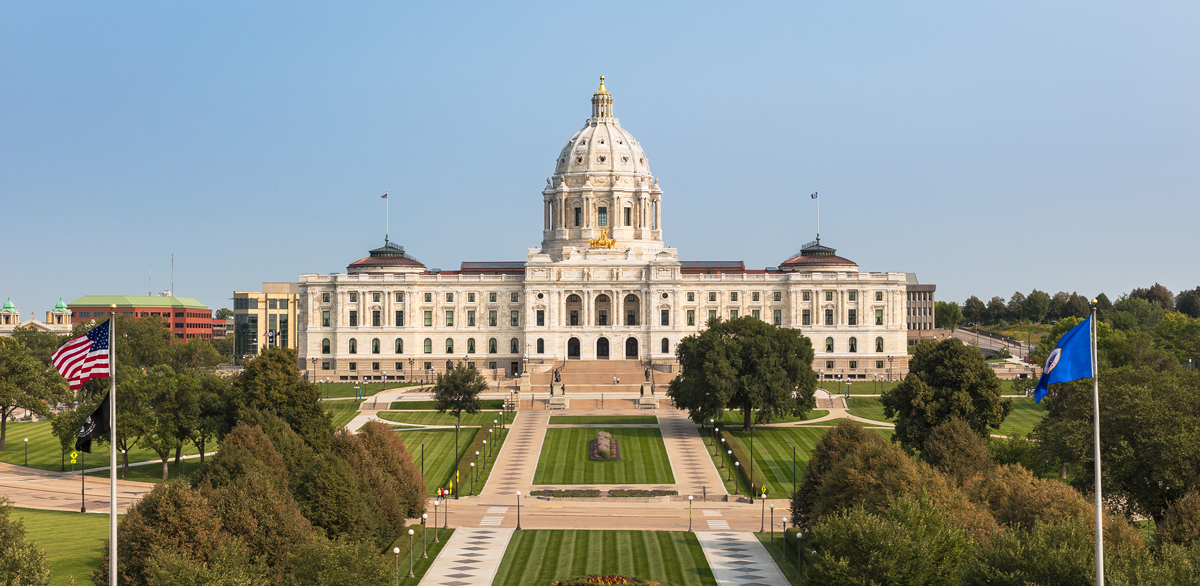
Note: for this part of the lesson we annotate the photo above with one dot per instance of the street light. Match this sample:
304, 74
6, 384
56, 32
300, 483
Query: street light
772, 523
737, 465
396, 550
425, 540
763, 519
712, 430
822, 373
122, 468
793, 466
518, 510
689, 512
435, 508
722, 447
26, 452
486, 453
410, 567
473, 478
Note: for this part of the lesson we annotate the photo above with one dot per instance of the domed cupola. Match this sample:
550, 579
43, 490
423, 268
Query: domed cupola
387, 259
815, 257
602, 188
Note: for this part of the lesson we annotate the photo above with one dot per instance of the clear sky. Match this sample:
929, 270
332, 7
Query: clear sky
987, 146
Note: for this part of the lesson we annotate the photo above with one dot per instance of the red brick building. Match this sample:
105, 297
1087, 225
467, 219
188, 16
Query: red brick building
186, 318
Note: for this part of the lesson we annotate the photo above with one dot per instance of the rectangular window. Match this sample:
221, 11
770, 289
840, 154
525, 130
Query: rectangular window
449, 298
733, 314
712, 314
428, 366
664, 319
471, 318
807, 296
375, 297
691, 317
754, 314
878, 317
778, 296
428, 319
691, 296
353, 297
879, 296
449, 317
514, 318
733, 296
754, 296
602, 216
805, 317
574, 318
283, 304
325, 365
374, 366
829, 364
602, 317
324, 319
491, 297
853, 317
353, 318
853, 364
514, 297
399, 296
878, 364
272, 304
778, 317
492, 365
375, 318
712, 296
541, 317
631, 317
470, 298
353, 366
492, 318
853, 295
829, 296
324, 298
400, 319
628, 213
578, 217
828, 317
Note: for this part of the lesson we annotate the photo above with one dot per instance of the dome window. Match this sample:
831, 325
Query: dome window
642, 161
602, 158
602, 141
624, 159
582, 142
579, 160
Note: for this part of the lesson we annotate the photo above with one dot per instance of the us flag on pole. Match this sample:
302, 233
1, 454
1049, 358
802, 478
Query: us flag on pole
85, 357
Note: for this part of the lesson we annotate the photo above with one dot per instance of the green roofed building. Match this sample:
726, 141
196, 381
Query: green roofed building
185, 317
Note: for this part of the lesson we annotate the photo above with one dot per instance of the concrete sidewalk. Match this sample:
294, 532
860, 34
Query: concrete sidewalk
517, 461
690, 462
470, 558
737, 558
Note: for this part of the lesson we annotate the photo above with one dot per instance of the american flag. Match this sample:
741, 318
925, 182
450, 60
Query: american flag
85, 357
384, 196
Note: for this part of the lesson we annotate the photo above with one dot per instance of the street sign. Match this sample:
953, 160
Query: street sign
73, 456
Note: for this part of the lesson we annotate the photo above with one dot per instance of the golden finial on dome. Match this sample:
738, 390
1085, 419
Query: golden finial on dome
602, 90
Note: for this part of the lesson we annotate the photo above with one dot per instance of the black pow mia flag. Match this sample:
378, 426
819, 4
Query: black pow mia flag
95, 426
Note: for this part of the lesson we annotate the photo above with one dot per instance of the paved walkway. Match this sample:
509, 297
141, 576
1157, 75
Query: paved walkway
514, 466
58, 491
693, 467
470, 558
737, 558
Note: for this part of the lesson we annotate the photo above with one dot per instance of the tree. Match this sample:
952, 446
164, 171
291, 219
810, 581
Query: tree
22, 563
458, 390
1134, 313
946, 380
1181, 521
223, 313
176, 407
340, 563
65, 426
1036, 306
41, 345
1077, 306
1188, 302
1058, 305
1157, 294
25, 383
271, 383
974, 311
213, 399
197, 353
745, 364
1016, 306
393, 458
954, 449
844, 438
946, 315
997, 311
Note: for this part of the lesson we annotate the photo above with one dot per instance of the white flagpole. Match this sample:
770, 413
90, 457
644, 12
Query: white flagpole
112, 445
387, 213
818, 192
1096, 420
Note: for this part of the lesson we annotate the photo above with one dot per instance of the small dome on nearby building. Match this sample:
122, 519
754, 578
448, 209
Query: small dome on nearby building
61, 305
389, 258
8, 306
816, 257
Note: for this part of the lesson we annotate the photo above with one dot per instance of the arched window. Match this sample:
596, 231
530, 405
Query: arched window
879, 344
449, 346
572, 298
514, 347
428, 346
470, 345
492, 346
325, 346
666, 346
854, 344
399, 346
631, 299
375, 346
602, 298
353, 346
829, 344
541, 346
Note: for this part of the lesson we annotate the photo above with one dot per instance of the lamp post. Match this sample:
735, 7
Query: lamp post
122, 468
822, 377
473, 478
486, 453
396, 551
26, 452
889, 369
689, 512
489, 447
518, 510
410, 540
410, 369
762, 520
423, 458
793, 466
425, 540
357, 395
737, 465
752, 457
435, 522
446, 515
772, 523
722, 447
712, 432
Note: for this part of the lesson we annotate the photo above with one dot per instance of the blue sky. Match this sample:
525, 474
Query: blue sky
987, 146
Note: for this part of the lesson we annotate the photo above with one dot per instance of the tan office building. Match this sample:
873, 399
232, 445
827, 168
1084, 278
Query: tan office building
264, 319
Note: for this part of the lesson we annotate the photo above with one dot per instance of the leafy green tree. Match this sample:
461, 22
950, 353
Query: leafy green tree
228, 566
42, 345
974, 311
175, 409
22, 563
1058, 305
213, 399
383, 489
223, 313
1179, 335
1157, 294
1135, 314
1181, 521
25, 383
264, 517
827, 454
457, 391
1036, 306
910, 543
271, 383
956, 450
1188, 302
1059, 553
946, 380
340, 563
748, 365
65, 426
1077, 306
997, 311
246, 449
946, 315
1103, 305
1016, 306
389, 453
197, 353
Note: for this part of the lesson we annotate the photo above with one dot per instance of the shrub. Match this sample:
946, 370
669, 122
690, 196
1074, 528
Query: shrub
1019, 499
642, 493
843, 438
1046, 553
263, 516
244, 449
21, 562
1181, 521
604, 444
955, 449
606, 579
566, 493
393, 458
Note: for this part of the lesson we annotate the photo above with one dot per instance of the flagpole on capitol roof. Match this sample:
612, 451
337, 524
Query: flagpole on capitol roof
112, 448
1096, 420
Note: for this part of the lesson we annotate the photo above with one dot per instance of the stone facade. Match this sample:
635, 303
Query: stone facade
600, 286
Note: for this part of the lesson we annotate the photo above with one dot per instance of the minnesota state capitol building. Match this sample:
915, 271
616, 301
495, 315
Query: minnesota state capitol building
601, 286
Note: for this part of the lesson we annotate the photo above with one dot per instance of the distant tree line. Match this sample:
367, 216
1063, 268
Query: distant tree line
1039, 306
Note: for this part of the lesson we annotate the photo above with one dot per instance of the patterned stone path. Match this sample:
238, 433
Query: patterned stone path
514, 467
693, 467
470, 558
737, 558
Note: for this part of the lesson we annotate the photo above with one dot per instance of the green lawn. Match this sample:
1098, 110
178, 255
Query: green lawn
343, 411
1025, 415
780, 552
486, 404
773, 456
833, 423
867, 408
603, 420
730, 418
419, 566
564, 458
440, 459
153, 472
73, 542
539, 557
45, 453
859, 387
435, 418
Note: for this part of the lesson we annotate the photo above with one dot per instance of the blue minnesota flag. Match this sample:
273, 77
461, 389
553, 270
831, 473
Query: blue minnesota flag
1070, 360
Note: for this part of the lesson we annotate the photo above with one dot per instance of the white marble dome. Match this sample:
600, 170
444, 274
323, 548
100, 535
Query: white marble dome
602, 146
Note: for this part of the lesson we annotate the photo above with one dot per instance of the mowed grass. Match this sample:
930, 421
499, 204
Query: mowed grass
565, 458
867, 408
419, 566
344, 389
731, 418
603, 420
860, 387
45, 453
440, 458
773, 456
539, 557
486, 405
342, 411
1026, 414
153, 472
73, 542
435, 418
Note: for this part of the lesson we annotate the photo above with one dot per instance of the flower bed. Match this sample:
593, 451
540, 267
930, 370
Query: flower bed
642, 493
566, 493
606, 579
604, 448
